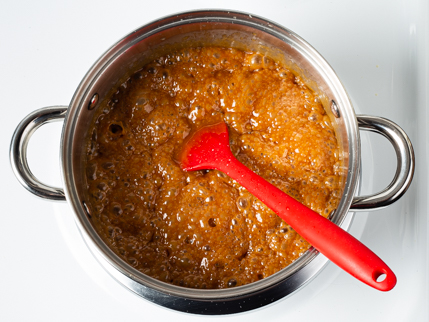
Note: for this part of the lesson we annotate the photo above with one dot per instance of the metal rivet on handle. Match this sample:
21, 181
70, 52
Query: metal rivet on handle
93, 101
334, 109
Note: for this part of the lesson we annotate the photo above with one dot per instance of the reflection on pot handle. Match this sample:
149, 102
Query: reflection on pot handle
405, 166
18, 151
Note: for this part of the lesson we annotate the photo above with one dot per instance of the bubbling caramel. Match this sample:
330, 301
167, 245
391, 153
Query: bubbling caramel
201, 229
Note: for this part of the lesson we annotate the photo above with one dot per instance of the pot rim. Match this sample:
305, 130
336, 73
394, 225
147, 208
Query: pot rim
151, 288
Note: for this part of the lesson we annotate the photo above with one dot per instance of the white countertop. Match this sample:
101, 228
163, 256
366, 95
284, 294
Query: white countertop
379, 50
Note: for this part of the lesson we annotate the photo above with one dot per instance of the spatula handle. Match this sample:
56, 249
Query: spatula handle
332, 241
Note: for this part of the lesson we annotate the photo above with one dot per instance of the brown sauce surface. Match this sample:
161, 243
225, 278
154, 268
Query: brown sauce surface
201, 229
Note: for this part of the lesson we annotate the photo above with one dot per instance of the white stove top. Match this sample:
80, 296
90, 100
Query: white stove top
379, 50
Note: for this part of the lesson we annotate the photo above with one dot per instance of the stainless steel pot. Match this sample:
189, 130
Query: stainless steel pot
199, 28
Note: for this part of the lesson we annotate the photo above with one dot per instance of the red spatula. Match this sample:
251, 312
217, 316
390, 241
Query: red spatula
208, 148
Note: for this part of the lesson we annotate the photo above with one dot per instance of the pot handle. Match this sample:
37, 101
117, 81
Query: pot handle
405, 164
18, 151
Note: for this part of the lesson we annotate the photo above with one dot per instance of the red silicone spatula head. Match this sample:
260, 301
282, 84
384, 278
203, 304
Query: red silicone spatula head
206, 148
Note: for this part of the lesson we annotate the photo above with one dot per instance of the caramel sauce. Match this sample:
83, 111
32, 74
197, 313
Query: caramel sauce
201, 229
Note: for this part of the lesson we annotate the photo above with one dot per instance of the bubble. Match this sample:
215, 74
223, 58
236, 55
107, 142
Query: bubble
129, 207
141, 101
221, 174
102, 186
330, 181
242, 202
268, 63
98, 195
189, 240
212, 222
117, 209
133, 262
314, 180
232, 282
115, 128
256, 60
313, 117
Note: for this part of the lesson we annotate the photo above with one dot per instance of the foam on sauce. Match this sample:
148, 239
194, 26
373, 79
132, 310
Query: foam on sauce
201, 229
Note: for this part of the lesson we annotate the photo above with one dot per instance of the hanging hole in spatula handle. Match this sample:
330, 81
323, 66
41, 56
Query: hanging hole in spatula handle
384, 280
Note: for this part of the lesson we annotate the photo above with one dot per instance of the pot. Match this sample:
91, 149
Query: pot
199, 28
